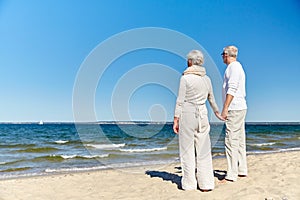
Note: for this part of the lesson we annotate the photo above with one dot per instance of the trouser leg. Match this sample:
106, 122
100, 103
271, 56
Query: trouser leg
233, 144
187, 152
205, 176
242, 167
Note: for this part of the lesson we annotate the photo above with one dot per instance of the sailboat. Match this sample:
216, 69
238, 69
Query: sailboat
41, 122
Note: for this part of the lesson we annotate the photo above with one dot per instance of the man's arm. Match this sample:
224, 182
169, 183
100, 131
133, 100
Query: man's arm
227, 102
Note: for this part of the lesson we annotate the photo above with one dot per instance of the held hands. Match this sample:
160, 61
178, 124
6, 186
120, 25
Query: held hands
224, 113
176, 121
220, 117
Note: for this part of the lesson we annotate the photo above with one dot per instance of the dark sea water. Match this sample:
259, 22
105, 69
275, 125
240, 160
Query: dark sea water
33, 149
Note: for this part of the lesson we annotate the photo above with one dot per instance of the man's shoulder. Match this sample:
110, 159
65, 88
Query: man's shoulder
235, 63
235, 66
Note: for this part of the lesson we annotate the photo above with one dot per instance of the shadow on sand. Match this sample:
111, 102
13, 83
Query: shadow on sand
166, 176
220, 174
176, 179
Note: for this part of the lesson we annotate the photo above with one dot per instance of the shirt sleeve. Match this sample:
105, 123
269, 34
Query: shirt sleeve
233, 80
180, 97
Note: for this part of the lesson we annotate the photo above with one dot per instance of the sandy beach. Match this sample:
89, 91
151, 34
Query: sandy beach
271, 176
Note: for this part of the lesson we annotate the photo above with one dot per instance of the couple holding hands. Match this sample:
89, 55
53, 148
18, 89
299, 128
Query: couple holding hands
192, 125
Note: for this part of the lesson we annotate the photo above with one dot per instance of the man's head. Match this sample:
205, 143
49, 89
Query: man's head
195, 57
229, 54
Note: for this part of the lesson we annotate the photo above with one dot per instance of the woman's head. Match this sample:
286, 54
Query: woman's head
195, 57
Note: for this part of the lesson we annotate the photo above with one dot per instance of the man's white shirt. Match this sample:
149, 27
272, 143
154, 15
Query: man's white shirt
235, 85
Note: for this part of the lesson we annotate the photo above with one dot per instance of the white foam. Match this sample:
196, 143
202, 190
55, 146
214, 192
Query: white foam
61, 141
290, 149
8, 176
75, 169
106, 146
81, 156
263, 144
68, 156
275, 151
143, 150
96, 156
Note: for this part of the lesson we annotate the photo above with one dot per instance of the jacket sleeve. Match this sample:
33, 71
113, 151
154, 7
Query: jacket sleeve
211, 97
180, 97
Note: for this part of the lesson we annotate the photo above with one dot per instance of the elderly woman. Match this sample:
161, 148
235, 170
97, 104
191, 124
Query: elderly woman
192, 126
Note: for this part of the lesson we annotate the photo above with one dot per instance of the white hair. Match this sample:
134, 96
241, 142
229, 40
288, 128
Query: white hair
196, 57
232, 51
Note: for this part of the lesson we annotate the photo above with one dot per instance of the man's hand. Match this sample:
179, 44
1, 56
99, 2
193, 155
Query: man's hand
224, 113
219, 116
228, 101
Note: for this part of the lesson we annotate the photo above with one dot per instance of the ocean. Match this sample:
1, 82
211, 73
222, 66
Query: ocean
29, 149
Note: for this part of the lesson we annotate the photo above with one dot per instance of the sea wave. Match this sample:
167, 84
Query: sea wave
60, 158
11, 162
61, 141
12, 174
16, 145
38, 150
263, 144
75, 169
106, 146
82, 156
143, 150
16, 169
274, 151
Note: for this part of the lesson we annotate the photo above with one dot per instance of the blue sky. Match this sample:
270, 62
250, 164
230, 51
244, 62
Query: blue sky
44, 43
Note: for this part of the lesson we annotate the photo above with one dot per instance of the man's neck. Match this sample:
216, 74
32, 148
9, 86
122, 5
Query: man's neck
231, 60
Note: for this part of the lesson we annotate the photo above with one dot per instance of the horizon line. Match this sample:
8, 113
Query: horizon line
136, 122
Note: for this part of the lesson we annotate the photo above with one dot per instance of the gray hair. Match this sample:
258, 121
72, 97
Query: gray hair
196, 57
232, 51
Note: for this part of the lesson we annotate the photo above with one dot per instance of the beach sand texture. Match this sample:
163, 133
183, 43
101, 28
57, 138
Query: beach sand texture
271, 176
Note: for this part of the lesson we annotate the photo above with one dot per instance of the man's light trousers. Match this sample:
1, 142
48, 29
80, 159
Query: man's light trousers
235, 144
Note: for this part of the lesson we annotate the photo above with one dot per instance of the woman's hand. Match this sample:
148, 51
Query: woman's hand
176, 125
220, 117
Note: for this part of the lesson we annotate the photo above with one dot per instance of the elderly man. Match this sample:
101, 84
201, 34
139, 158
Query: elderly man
192, 126
234, 111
